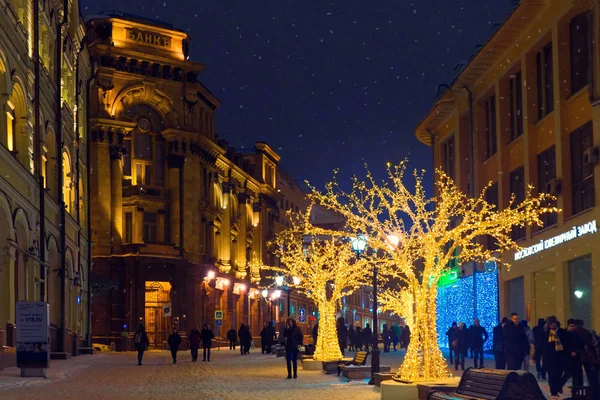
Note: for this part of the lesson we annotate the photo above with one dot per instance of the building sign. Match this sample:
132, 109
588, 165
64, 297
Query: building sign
146, 37
577, 231
32, 335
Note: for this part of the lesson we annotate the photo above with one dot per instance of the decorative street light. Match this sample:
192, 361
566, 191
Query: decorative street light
359, 244
279, 280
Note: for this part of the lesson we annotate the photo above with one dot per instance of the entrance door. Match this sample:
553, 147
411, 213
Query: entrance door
157, 325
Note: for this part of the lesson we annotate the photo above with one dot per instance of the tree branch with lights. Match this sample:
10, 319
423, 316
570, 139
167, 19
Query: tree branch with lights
420, 236
327, 268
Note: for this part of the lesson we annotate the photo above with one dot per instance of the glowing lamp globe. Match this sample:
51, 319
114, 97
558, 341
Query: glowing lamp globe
296, 280
265, 293
276, 294
359, 244
279, 280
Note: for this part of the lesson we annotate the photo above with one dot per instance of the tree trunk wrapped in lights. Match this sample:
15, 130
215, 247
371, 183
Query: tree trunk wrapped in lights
417, 237
328, 270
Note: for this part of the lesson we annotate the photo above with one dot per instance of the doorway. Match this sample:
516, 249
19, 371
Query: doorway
158, 294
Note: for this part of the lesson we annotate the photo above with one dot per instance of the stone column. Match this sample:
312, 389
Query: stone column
175, 164
116, 197
225, 255
101, 194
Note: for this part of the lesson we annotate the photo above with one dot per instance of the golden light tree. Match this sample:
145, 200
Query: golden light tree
420, 236
327, 268
400, 302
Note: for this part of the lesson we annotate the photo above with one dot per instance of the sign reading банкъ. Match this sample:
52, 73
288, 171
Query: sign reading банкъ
146, 37
576, 232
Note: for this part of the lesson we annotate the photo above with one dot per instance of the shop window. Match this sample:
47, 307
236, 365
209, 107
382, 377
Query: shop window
582, 174
580, 289
150, 227
545, 292
579, 32
517, 188
546, 163
448, 157
516, 296
545, 83
490, 127
516, 105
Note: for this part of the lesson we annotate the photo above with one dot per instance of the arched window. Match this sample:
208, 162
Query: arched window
67, 182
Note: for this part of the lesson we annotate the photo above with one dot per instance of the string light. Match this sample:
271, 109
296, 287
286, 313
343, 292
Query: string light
448, 228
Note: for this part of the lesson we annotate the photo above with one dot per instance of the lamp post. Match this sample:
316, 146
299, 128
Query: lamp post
358, 245
279, 281
265, 295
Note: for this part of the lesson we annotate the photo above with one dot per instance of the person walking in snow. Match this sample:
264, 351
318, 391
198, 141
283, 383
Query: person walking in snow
141, 342
315, 333
342, 332
206, 336
405, 337
351, 336
450, 334
267, 336
293, 339
358, 339
174, 342
367, 336
245, 339
553, 354
385, 333
477, 336
396, 332
531, 341
538, 335
232, 337
460, 344
194, 342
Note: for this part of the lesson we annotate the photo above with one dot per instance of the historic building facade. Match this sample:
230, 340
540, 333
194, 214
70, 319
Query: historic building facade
44, 213
524, 111
180, 218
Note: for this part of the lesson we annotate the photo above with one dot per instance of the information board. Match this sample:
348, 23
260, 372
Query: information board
32, 335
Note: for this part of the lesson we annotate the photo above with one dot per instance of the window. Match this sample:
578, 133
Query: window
142, 146
149, 227
11, 129
516, 106
517, 188
143, 173
582, 175
448, 157
491, 197
545, 83
579, 32
516, 296
128, 227
546, 163
580, 288
490, 127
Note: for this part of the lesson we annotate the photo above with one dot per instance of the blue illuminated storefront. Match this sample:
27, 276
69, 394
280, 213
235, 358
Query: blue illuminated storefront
462, 299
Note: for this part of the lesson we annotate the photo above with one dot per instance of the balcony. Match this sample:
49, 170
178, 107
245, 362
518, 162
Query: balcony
150, 192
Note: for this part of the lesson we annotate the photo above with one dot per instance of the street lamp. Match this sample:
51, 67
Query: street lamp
279, 280
359, 243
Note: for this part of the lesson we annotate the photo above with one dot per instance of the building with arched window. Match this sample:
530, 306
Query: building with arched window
44, 247
180, 219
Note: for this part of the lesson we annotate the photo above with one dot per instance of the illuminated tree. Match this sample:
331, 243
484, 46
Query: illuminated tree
328, 270
421, 236
400, 303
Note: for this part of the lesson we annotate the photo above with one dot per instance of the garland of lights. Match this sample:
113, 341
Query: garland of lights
439, 231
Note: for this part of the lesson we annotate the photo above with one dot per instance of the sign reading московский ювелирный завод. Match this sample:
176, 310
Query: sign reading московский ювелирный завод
571, 234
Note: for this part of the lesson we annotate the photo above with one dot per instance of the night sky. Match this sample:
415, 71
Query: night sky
327, 84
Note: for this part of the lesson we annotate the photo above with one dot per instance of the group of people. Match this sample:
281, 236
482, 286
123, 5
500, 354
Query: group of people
356, 339
461, 339
396, 336
559, 354
245, 339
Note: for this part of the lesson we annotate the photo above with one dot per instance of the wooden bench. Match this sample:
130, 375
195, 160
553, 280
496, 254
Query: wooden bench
493, 384
360, 358
361, 371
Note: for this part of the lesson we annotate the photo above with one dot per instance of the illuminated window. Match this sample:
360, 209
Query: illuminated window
11, 128
67, 183
45, 170
580, 288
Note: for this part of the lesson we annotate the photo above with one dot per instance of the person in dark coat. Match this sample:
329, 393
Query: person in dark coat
267, 336
450, 335
394, 335
245, 339
498, 344
516, 344
174, 342
574, 348
358, 339
385, 334
194, 342
342, 332
589, 356
477, 336
232, 337
315, 333
538, 337
405, 337
141, 342
351, 337
367, 337
206, 336
293, 339
460, 344
552, 353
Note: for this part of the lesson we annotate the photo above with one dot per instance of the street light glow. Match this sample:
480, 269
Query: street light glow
296, 280
211, 275
578, 294
265, 293
277, 294
279, 280
393, 241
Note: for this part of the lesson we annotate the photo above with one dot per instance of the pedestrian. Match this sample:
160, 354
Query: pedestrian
498, 344
574, 348
262, 341
367, 337
538, 337
460, 344
405, 337
342, 332
232, 337
589, 356
174, 341
397, 334
141, 342
385, 334
516, 344
358, 339
394, 336
552, 354
267, 336
477, 336
450, 335
315, 333
530, 341
293, 339
245, 339
351, 337
207, 336
194, 342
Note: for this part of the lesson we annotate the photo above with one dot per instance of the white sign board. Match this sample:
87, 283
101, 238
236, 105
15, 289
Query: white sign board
33, 350
575, 232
